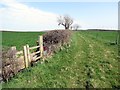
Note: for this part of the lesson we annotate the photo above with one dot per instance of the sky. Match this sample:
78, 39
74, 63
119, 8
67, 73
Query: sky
39, 16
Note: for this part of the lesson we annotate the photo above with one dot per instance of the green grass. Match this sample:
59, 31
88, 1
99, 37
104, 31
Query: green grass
19, 39
108, 36
87, 60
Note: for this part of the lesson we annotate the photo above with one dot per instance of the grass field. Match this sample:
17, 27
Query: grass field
90, 62
106, 36
19, 39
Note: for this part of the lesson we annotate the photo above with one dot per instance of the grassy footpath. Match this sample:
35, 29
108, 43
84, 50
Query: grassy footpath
87, 63
103, 64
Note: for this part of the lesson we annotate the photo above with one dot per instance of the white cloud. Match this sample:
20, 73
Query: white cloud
17, 16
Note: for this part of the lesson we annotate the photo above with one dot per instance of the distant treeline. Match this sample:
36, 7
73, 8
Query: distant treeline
100, 30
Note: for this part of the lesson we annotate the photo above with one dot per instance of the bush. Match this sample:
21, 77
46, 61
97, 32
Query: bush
57, 36
55, 39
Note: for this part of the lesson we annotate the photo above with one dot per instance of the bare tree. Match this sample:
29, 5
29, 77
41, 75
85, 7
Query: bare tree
66, 21
76, 26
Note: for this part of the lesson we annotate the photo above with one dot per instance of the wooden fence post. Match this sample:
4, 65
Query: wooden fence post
28, 55
41, 45
25, 56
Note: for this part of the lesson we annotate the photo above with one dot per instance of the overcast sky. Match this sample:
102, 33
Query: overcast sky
38, 16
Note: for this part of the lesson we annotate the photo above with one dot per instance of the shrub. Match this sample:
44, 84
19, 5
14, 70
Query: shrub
55, 39
57, 36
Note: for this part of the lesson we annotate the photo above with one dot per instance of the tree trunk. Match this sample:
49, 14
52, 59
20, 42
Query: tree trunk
66, 27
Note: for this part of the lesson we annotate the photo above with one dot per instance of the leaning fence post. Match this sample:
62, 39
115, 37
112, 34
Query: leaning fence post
28, 55
25, 56
41, 45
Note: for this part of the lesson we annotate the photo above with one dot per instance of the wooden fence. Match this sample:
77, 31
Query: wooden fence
26, 56
22, 59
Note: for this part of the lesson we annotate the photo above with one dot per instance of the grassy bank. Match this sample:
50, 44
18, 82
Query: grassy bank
89, 62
